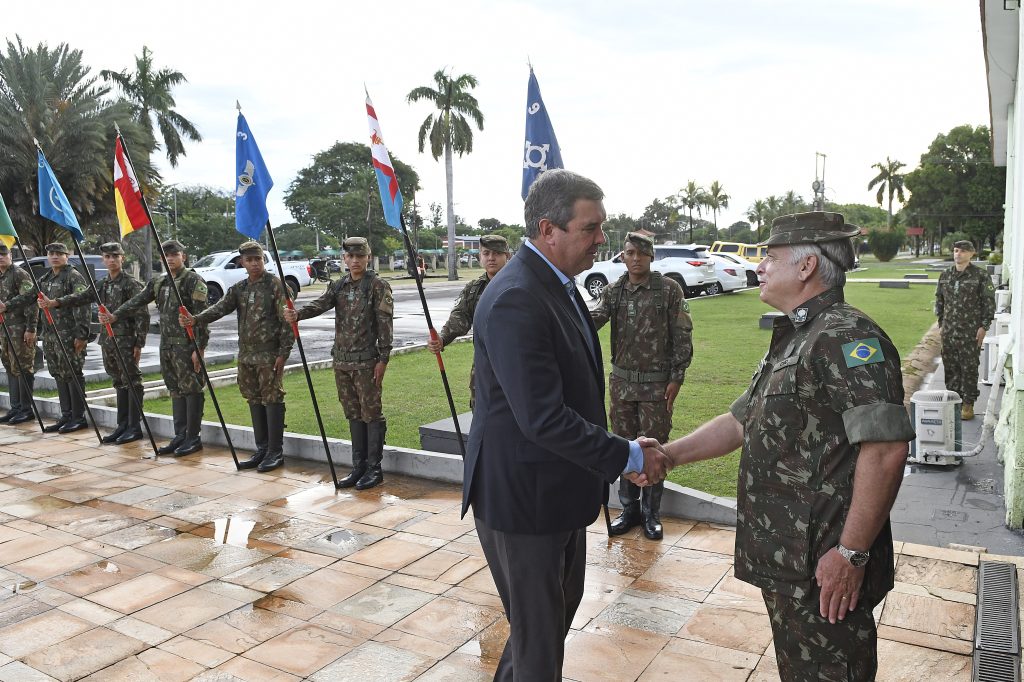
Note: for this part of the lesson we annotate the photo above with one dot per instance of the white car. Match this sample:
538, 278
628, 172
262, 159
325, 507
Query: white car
222, 269
693, 272
731, 274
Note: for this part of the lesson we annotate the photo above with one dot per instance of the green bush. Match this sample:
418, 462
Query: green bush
995, 258
949, 239
885, 244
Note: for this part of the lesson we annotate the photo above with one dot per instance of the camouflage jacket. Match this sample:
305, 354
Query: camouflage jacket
19, 294
114, 292
830, 381
461, 319
651, 332
363, 319
193, 292
70, 319
263, 335
965, 301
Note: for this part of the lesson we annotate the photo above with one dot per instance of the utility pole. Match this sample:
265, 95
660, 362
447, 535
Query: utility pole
819, 182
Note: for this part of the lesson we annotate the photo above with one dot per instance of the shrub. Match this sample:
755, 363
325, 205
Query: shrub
995, 258
947, 241
885, 244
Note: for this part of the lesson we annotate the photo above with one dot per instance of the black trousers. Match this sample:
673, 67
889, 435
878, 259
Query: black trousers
540, 582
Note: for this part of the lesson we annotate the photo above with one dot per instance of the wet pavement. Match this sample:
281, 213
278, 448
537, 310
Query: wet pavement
118, 568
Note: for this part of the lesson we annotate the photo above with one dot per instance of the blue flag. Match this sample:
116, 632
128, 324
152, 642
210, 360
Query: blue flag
542, 150
252, 183
53, 204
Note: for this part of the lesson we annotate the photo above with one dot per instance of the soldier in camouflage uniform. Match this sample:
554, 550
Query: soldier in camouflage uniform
651, 347
71, 322
824, 435
17, 307
265, 341
494, 254
179, 363
363, 325
130, 330
965, 304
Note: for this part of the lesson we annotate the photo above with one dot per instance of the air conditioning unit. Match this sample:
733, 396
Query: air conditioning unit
1002, 300
936, 419
989, 357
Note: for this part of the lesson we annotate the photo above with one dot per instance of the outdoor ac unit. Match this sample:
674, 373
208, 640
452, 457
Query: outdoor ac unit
1002, 300
1001, 324
936, 419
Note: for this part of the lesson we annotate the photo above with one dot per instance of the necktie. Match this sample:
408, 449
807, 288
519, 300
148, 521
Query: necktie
570, 288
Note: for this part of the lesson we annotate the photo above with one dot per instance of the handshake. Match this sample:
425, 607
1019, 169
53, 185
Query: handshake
657, 464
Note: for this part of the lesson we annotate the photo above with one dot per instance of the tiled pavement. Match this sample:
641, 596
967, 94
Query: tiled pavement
114, 567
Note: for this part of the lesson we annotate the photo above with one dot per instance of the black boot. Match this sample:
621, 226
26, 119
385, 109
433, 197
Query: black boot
357, 431
650, 507
122, 417
78, 421
64, 398
133, 430
275, 438
258, 414
375, 431
14, 389
629, 518
193, 433
179, 414
26, 414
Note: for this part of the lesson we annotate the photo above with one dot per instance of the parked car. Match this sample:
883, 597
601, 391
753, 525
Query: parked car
222, 269
398, 263
334, 265
464, 259
40, 264
693, 272
750, 252
730, 267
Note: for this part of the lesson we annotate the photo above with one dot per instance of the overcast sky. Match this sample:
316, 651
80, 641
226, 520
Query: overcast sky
643, 95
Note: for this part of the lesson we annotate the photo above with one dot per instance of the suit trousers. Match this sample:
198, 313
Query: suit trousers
540, 582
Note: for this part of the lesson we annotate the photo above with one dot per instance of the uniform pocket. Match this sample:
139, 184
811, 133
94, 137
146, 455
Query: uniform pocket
780, 529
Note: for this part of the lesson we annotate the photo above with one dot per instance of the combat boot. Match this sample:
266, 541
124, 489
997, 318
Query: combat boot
357, 432
179, 414
133, 430
629, 518
650, 508
27, 401
967, 412
64, 398
122, 417
193, 432
14, 389
258, 414
275, 439
374, 476
78, 421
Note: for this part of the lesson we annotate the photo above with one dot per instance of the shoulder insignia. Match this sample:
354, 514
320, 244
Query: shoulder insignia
863, 352
685, 306
199, 292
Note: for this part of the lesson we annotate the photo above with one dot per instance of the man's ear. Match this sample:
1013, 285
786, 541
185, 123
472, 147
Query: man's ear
808, 267
546, 228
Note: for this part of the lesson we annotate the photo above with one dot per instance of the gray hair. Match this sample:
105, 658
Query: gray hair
553, 196
834, 259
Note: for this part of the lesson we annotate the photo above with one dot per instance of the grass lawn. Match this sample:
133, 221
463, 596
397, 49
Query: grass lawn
871, 268
727, 347
107, 383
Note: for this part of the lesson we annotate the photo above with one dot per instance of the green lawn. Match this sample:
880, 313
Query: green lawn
871, 268
107, 383
727, 347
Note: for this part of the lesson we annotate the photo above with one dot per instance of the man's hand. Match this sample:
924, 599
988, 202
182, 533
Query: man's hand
185, 319
291, 316
80, 345
30, 338
656, 465
137, 355
435, 345
980, 336
107, 317
195, 362
46, 303
378, 373
840, 585
278, 365
637, 478
671, 391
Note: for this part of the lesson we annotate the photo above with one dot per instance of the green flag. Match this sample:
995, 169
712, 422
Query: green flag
7, 233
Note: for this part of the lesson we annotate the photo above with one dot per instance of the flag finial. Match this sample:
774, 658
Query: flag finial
238, 105
117, 129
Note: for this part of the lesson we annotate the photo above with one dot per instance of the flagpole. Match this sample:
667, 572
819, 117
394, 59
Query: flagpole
302, 353
181, 304
21, 369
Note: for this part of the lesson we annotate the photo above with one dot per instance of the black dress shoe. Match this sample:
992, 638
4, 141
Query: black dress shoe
113, 435
373, 477
253, 461
626, 521
7, 417
270, 462
189, 447
74, 425
172, 446
130, 435
22, 417
54, 428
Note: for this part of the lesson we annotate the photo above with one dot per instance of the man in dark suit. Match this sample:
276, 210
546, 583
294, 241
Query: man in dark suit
540, 457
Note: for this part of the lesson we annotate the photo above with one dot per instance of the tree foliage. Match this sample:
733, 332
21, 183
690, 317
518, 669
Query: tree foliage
889, 180
204, 221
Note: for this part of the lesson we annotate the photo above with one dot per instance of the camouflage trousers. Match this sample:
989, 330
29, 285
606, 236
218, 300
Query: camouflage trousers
633, 418
808, 648
55, 361
960, 359
179, 375
260, 384
112, 366
26, 354
359, 395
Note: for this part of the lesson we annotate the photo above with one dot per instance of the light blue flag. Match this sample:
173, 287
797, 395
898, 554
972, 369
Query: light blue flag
542, 152
252, 183
53, 204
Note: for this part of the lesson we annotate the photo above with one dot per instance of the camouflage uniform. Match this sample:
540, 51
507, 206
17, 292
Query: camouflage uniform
71, 322
461, 321
964, 302
19, 294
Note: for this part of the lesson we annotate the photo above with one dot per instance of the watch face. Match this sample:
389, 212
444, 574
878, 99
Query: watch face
858, 559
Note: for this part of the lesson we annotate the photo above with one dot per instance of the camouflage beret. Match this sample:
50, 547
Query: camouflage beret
172, 246
809, 228
113, 248
494, 242
4, 249
964, 245
357, 246
642, 242
250, 248
58, 247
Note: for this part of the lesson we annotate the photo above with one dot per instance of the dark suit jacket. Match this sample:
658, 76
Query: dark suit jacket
539, 453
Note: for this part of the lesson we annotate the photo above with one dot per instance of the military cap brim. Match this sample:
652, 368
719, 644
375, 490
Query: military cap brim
813, 227
57, 247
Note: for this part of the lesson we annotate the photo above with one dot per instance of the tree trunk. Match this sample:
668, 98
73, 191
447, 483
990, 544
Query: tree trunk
691, 227
888, 219
453, 273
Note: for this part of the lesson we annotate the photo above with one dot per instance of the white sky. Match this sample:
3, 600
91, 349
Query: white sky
643, 95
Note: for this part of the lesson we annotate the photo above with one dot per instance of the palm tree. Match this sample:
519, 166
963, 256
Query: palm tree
449, 131
888, 179
792, 203
757, 213
717, 199
692, 197
774, 207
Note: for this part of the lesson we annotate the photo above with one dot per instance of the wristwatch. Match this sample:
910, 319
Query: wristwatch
856, 559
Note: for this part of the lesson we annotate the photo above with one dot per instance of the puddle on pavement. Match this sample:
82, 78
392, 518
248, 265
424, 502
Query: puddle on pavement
108, 567
342, 538
231, 531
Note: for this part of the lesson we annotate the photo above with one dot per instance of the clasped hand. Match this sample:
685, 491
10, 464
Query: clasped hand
656, 464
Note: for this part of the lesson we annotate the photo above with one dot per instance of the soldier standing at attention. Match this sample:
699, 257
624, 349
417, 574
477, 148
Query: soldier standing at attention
179, 364
965, 303
651, 347
363, 325
824, 436
17, 296
116, 288
72, 324
494, 254
265, 341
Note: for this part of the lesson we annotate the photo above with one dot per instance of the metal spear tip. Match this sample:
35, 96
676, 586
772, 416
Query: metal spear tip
238, 105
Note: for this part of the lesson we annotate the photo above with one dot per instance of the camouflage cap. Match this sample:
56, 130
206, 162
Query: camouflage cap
357, 246
173, 246
113, 248
494, 242
4, 249
964, 245
809, 228
251, 248
642, 242
58, 247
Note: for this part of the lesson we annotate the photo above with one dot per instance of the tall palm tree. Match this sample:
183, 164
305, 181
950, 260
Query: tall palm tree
792, 202
889, 179
449, 131
774, 207
757, 213
692, 197
717, 199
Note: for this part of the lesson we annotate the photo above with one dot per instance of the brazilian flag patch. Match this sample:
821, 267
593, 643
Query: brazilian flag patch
864, 352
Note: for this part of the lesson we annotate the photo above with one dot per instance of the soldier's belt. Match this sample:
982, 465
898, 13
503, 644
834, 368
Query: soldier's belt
358, 356
639, 377
258, 347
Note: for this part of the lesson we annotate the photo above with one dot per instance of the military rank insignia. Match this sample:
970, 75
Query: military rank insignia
864, 352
